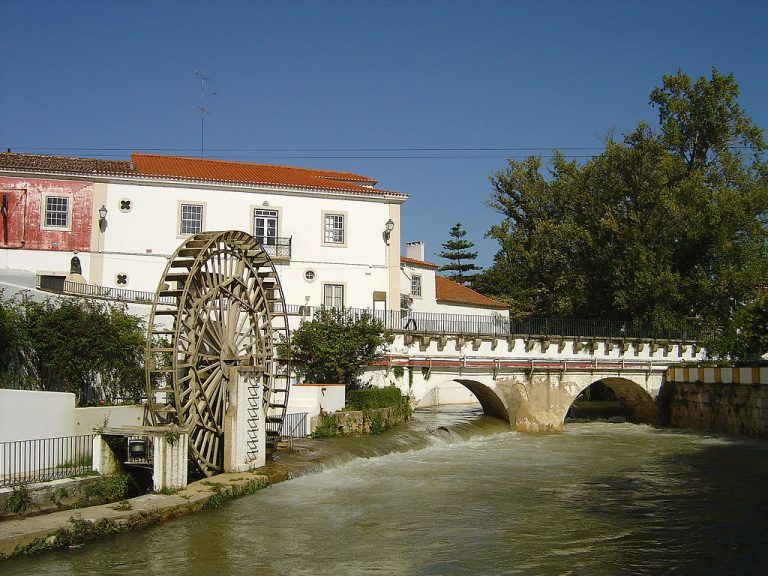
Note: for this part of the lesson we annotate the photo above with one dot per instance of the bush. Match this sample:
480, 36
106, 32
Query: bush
335, 346
90, 348
371, 398
107, 489
327, 427
368, 400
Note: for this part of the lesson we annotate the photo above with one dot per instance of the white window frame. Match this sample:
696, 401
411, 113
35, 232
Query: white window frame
417, 286
44, 225
278, 222
341, 290
180, 221
327, 240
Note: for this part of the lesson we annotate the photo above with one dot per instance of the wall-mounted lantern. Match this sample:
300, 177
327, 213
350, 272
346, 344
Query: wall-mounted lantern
388, 227
103, 218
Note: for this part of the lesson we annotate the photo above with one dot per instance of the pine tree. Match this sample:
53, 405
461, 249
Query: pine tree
459, 257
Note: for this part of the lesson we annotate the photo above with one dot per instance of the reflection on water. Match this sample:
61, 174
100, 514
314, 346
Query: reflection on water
457, 493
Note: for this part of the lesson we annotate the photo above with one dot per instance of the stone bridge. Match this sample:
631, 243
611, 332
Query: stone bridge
531, 381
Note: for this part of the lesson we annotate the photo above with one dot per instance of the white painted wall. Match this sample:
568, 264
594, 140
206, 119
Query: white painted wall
41, 260
29, 415
136, 242
425, 303
428, 300
312, 398
90, 418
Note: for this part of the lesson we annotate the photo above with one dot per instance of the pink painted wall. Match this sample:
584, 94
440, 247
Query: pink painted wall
22, 227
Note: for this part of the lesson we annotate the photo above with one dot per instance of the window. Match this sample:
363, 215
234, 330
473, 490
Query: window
333, 231
333, 295
191, 219
416, 285
265, 226
57, 211
309, 275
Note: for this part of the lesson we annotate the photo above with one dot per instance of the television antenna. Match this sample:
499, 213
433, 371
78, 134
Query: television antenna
203, 110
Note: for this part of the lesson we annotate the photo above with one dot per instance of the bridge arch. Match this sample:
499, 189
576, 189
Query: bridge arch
638, 404
489, 400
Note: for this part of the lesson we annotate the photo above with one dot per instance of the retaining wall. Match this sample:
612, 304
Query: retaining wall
48, 496
725, 400
355, 423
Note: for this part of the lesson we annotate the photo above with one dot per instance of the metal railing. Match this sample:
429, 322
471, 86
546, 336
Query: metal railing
103, 292
295, 425
600, 329
499, 324
45, 459
276, 247
496, 324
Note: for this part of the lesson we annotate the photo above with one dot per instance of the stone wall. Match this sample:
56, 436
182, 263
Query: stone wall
48, 496
725, 400
356, 423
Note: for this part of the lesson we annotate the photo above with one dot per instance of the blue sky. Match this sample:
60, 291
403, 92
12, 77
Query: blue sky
374, 87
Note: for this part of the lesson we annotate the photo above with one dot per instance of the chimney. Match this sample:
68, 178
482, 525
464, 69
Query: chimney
415, 250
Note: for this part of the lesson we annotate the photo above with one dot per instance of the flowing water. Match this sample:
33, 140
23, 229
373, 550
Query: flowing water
458, 493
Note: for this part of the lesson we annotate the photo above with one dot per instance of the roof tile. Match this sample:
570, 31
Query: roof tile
249, 173
63, 163
417, 263
451, 292
200, 169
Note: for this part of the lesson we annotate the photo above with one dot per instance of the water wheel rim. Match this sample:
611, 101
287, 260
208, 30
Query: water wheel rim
224, 317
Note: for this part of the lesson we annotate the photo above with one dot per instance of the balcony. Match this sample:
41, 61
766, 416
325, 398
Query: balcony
277, 248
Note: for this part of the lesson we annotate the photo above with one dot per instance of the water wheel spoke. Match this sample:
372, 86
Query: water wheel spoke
224, 290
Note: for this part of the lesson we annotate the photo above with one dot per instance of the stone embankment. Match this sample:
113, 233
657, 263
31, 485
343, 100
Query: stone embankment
360, 422
726, 400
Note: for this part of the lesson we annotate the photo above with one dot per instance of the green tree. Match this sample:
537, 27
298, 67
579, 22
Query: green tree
17, 357
702, 121
90, 348
335, 346
665, 227
457, 252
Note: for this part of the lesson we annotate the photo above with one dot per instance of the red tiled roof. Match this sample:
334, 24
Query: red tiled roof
63, 163
200, 169
451, 292
417, 263
249, 173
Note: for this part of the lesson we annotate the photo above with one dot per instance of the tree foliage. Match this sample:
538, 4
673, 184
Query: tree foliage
335, 346
460, 258
90, 348
667, 227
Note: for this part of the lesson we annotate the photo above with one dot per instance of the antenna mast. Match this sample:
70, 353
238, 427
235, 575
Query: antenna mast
203, 110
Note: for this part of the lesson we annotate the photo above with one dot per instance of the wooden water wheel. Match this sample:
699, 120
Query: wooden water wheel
219, 304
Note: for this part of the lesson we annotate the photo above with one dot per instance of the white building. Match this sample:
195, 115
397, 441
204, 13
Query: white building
324, 229
334, 236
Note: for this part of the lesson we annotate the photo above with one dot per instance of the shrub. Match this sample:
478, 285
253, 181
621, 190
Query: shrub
327, 427
90, 348
335, 346
107, 489
370, 399
19, 501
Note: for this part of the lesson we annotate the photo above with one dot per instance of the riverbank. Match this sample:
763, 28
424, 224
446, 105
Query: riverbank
25, 536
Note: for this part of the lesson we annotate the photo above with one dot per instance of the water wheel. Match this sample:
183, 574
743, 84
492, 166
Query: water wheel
219, 304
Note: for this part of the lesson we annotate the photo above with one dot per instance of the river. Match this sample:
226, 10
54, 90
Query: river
456, 493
